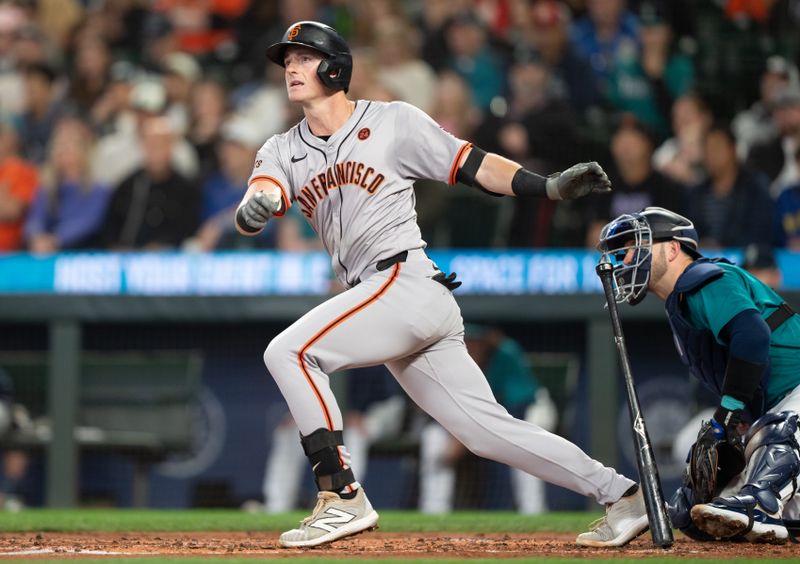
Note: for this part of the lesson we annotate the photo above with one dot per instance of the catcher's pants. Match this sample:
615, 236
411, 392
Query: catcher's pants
791, 508
402, 318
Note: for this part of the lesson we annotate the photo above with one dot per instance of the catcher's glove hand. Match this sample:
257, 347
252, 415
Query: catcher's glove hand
717, 455
577, 181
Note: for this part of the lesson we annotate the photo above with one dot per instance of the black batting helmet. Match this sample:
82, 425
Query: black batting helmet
335, 69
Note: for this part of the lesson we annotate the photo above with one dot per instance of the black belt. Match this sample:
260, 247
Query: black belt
777, 317
387, 263
391, 261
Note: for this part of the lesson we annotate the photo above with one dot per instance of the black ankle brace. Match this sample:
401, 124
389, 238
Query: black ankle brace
322, 449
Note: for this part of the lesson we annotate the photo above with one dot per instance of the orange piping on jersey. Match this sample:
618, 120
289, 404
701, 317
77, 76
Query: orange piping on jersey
277, 183
456, 162
327, 329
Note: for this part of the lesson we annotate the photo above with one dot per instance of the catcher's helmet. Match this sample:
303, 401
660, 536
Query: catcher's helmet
637, 232
335, 69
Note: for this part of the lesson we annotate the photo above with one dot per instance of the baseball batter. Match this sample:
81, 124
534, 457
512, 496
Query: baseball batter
350, 167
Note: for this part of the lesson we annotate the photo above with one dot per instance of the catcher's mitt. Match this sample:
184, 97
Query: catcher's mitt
716, 456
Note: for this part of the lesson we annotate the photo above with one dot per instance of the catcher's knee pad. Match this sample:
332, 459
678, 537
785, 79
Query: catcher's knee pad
322, 449
773, 456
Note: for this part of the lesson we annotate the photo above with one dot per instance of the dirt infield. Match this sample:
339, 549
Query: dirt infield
370, 545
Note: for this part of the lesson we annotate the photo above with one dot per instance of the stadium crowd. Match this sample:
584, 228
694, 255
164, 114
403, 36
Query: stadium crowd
133, 124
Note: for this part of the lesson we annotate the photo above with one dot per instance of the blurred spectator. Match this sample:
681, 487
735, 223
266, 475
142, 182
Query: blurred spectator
32, 47
18, 181
776, 157
111, 110
200, 26
374, 411
208, 109
454, 111
12, 88
365, 83
508, 373
681, 157
120, 152
733, 207
636, 183
539, 130
44, 109
399, 69
536, 126
181, 72
755, 125
155, 207
547, 34
57, 18
787, 215
474, 59
223, 190
89, 73
69, 207
606, 34
759, 260
433, 20
647, 83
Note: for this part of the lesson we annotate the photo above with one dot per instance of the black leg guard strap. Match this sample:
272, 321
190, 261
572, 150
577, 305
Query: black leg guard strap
322, 449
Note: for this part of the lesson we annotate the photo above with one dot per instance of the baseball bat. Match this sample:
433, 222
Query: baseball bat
660, 526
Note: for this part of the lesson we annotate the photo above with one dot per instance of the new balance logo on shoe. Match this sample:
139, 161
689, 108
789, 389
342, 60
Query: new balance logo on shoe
330, 524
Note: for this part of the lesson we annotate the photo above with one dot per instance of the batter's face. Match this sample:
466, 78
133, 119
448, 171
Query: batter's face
302, 82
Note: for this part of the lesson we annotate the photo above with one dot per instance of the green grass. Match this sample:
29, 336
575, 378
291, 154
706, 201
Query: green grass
65, 520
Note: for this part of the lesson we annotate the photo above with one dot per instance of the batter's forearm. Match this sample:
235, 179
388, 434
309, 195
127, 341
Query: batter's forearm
496, 174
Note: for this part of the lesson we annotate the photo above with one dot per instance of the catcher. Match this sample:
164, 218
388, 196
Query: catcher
742, 341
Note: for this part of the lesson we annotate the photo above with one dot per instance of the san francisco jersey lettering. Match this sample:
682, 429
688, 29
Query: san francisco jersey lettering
356, 187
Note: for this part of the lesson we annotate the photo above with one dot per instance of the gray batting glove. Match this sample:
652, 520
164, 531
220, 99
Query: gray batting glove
257, 210
577, 181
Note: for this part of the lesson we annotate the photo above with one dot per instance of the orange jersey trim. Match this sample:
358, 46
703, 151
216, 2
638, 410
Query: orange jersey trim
456, 162
301, 356
276, 182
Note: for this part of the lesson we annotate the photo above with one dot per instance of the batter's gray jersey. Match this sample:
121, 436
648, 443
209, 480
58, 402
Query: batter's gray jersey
356, 188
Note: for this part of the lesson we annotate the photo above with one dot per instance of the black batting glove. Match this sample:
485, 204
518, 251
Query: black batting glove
577, 181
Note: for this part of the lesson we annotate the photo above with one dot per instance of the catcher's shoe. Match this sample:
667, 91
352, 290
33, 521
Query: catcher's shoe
624, 520
333, 518
727, 517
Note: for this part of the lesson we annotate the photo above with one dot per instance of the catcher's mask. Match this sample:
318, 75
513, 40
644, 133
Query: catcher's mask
632, 236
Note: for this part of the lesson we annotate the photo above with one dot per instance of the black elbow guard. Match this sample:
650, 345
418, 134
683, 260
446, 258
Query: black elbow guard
466, 173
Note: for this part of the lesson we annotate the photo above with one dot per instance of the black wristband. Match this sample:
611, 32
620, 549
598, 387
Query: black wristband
243, 224
742, 379
527, 183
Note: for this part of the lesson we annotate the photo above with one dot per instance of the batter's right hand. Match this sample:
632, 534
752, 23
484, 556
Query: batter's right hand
577, 181
257, 210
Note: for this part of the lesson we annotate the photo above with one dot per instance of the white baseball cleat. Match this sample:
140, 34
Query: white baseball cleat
333, 518
624, 520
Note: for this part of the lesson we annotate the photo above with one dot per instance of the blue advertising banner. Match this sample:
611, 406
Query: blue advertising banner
275, 273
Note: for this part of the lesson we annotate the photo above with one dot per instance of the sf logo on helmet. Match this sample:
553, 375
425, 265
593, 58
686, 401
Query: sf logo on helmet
294, 32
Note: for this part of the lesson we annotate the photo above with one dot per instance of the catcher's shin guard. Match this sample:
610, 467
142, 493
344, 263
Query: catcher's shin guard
773, 456
322, 449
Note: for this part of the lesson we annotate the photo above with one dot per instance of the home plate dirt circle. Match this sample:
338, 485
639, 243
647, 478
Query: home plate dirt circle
24, 546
